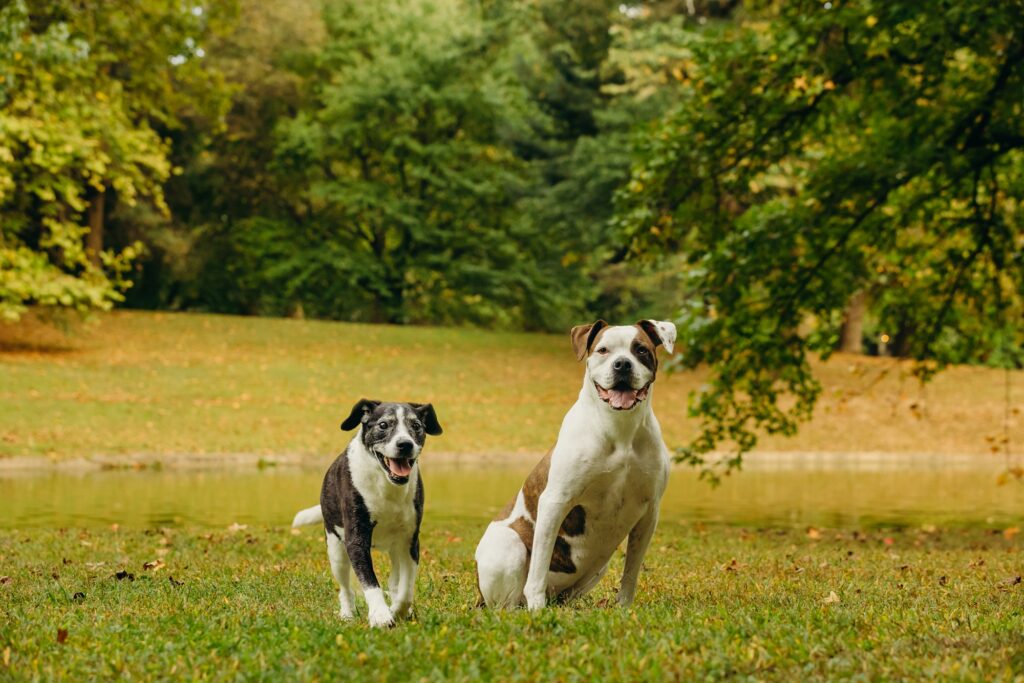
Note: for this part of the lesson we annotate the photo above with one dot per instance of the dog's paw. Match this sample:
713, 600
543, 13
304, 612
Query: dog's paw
536, 601
381, 618
401, 611
347, 615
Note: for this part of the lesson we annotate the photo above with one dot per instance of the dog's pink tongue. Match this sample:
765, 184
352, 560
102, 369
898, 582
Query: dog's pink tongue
400, 468
622, 399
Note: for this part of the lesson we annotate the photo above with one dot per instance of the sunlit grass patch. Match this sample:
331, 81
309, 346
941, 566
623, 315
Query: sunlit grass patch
714, 602
166, 384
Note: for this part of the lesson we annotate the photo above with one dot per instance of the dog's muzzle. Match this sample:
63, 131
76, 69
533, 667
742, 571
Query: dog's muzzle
622, 397
398, 469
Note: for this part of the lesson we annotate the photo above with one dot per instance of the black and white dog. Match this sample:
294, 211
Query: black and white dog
372, 496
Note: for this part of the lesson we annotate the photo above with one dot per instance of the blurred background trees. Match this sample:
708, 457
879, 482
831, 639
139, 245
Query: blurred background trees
788, 178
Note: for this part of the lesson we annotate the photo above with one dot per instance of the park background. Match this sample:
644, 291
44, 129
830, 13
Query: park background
223, 222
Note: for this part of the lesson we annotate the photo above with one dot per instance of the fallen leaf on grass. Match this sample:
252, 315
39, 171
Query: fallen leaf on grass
943, 581
1008, 534
813, 534
4, 580
175, 582
62, 635
93, 566
122, 575
831, 599
155, 565
235, 527
977, 563
732, 565
888, 540
78, 597
1009, 581
7, 656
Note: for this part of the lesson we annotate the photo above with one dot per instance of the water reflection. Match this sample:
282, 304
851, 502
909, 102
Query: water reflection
850, 492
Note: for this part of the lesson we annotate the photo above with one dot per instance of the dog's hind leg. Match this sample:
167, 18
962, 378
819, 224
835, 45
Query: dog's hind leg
501, 566
636, 548
338, 556
585, 584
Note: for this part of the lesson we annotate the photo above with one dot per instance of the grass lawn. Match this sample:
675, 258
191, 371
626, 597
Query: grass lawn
164, 384
714, 602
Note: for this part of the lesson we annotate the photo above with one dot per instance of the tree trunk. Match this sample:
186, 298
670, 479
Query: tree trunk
851, 334
94, 238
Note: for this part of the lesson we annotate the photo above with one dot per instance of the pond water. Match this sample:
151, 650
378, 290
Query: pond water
861, 492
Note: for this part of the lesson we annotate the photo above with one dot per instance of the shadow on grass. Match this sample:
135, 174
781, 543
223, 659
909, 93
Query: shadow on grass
40, 333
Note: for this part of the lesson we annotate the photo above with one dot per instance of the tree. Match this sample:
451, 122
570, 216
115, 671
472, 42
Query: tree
826, 150
407, 188
92, 92
64, 134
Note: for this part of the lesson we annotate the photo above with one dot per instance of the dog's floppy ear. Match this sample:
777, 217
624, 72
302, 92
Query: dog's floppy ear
660, 331
583, 337
359, 412
425, 412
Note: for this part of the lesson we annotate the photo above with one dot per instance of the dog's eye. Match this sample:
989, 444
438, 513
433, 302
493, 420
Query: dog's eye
417, 425
642, 350
603, 350
382, 425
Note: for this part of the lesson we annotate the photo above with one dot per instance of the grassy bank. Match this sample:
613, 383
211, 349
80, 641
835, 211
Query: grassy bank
165, 384
714, 603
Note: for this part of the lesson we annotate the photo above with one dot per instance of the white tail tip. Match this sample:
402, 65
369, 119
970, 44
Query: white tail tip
308, 516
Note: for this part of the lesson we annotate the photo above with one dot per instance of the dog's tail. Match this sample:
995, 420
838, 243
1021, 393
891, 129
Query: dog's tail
308, 516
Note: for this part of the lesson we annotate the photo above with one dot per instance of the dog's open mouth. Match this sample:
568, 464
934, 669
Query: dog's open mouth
397, 469
622, 398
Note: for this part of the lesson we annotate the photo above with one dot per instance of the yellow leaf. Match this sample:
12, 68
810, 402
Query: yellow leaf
871, 21
831, 599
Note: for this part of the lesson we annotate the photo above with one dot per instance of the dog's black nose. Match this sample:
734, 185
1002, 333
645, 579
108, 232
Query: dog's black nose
404, 447
622, 365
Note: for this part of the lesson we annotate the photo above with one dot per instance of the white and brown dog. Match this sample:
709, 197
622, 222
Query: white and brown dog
601, 483
372, 497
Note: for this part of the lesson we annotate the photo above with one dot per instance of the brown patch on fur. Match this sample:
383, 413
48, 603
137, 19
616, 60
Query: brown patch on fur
575, 522
645, 340
584, 336
524, 528
561, 556
532, 488
572, 525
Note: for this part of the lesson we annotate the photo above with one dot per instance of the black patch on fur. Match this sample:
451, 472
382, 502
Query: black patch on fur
575, 522
343, 506
359, 412
417, 501
425, 413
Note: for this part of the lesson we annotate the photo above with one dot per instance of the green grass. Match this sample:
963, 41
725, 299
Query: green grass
714, 602
164, 384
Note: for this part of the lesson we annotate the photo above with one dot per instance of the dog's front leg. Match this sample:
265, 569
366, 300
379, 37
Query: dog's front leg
636, 548
358, 547
552, 507
402, 594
